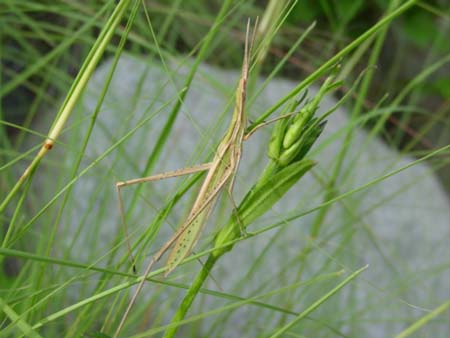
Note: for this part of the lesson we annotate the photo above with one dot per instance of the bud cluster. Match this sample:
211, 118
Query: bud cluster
292, 138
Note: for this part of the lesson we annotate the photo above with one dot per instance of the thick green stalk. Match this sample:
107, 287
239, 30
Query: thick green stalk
72, 98
191, 294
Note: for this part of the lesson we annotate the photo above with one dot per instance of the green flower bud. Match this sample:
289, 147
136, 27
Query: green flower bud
310, 139
277, 139
295, 129
300, 148
289, 154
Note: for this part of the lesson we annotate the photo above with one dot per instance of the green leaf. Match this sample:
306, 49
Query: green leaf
258, 201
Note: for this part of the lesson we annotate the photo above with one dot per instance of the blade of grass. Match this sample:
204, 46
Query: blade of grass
235, 305
72, 98
317, 303
335, 59
424, 320
17, 319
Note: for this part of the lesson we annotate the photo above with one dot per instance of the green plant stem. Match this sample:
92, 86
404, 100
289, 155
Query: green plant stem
335, 59
266, 192
424, 320
316, 304
191, 294
81, 153
331, 190
172, 116
20, 322
72, 98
